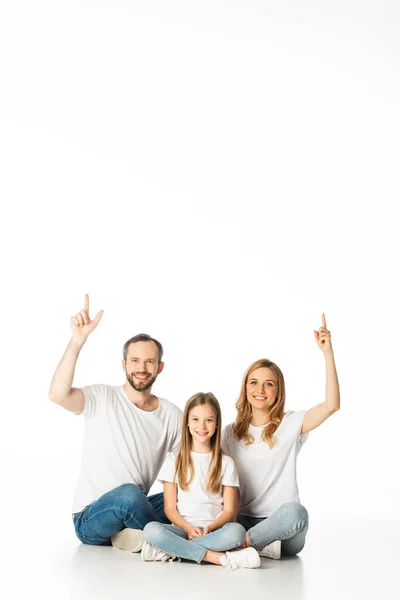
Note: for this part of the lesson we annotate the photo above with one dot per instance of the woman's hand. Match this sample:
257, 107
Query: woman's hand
323, 337
206, 530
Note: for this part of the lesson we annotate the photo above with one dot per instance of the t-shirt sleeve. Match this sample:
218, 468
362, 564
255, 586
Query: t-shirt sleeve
167, 471
176, 440
95, 396
226, 434
229, 474
298, 418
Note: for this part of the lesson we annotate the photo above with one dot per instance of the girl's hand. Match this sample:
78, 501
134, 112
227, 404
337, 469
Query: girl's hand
206, 530
194, 532
323, 337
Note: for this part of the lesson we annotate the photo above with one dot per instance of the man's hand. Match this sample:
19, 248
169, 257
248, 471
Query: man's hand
82, 325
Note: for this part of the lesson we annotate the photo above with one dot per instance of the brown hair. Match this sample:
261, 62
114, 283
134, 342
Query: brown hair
184, 468
276, 411
143, 337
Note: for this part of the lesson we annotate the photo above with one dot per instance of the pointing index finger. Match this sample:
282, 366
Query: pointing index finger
86, 303
323, 321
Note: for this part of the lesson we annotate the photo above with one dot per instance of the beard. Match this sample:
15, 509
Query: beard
142, 386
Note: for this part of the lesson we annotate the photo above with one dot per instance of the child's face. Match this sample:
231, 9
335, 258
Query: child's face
202, 423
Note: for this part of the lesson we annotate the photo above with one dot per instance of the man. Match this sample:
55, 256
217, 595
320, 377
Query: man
128, 433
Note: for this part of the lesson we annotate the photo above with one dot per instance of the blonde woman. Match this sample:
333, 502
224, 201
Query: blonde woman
200, 497
265, 441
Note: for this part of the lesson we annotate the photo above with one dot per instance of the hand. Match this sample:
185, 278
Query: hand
323, 337
82, 325
206, 530
194, 532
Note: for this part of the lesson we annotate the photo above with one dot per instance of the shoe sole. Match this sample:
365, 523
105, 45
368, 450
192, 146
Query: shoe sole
130, 540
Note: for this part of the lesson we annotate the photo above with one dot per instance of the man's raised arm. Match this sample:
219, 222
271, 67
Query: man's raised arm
61, 391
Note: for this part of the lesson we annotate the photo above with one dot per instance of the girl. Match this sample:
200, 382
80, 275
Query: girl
200, 496
265, 442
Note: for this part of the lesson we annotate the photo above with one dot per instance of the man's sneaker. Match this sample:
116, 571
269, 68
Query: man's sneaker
247, 558
273, 550
128, 539
151, 553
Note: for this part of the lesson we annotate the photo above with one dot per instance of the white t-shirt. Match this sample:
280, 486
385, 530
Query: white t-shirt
267, 477
122, 443
197, 506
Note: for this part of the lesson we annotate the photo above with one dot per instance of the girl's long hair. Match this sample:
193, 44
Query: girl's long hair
184, 468
244, 411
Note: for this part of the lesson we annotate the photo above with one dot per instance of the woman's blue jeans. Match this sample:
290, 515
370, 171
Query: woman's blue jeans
173, 540
124, 506
289, 523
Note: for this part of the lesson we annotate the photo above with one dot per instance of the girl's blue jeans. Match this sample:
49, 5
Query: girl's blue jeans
289, 523
124, 506
173, 540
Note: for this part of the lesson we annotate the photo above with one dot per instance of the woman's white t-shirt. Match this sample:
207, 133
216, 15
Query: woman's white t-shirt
198, 506
267, 477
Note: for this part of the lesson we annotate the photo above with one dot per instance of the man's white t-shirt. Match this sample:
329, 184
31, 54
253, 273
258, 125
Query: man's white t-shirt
267, 477
198, 506
122, 443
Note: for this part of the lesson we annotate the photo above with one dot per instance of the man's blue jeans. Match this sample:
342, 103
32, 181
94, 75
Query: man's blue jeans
288, 523
124, 506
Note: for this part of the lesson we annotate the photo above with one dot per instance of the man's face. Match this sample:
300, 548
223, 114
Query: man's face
141, 365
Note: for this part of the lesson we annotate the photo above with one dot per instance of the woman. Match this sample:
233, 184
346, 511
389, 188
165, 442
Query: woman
265, 442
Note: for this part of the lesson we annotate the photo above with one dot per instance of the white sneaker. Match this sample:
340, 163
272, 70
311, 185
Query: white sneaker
128, 539
151, 553
273, 550
247, 558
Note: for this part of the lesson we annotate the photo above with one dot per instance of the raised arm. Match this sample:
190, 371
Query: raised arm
61, 391
318, 414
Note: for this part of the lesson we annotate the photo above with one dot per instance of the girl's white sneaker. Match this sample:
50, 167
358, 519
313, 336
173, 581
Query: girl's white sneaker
151, 553
247, 558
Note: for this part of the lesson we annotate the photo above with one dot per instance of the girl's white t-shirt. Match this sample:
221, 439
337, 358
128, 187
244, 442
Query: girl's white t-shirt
267, 477
198, 506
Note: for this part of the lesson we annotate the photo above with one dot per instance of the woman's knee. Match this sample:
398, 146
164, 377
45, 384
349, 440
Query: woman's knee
295, 512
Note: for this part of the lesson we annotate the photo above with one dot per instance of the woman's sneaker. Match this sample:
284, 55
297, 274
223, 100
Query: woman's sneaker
273, 550
128, 539
151, 553
247, 558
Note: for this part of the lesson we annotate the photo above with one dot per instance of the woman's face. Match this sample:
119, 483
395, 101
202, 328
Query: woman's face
262, 388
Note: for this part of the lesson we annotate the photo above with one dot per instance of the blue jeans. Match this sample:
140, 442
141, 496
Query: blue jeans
173, 540
124, 506
289, 523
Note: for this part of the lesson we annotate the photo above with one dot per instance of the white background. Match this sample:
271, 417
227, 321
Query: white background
216, 174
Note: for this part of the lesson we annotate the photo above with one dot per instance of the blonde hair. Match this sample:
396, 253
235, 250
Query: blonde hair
184, 468
244, 410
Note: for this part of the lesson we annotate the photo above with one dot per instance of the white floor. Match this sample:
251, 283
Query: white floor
338, 562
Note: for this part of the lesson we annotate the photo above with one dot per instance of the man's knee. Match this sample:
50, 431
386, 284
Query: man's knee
129, 495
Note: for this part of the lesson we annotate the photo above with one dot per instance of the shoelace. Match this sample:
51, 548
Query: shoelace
164, 557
